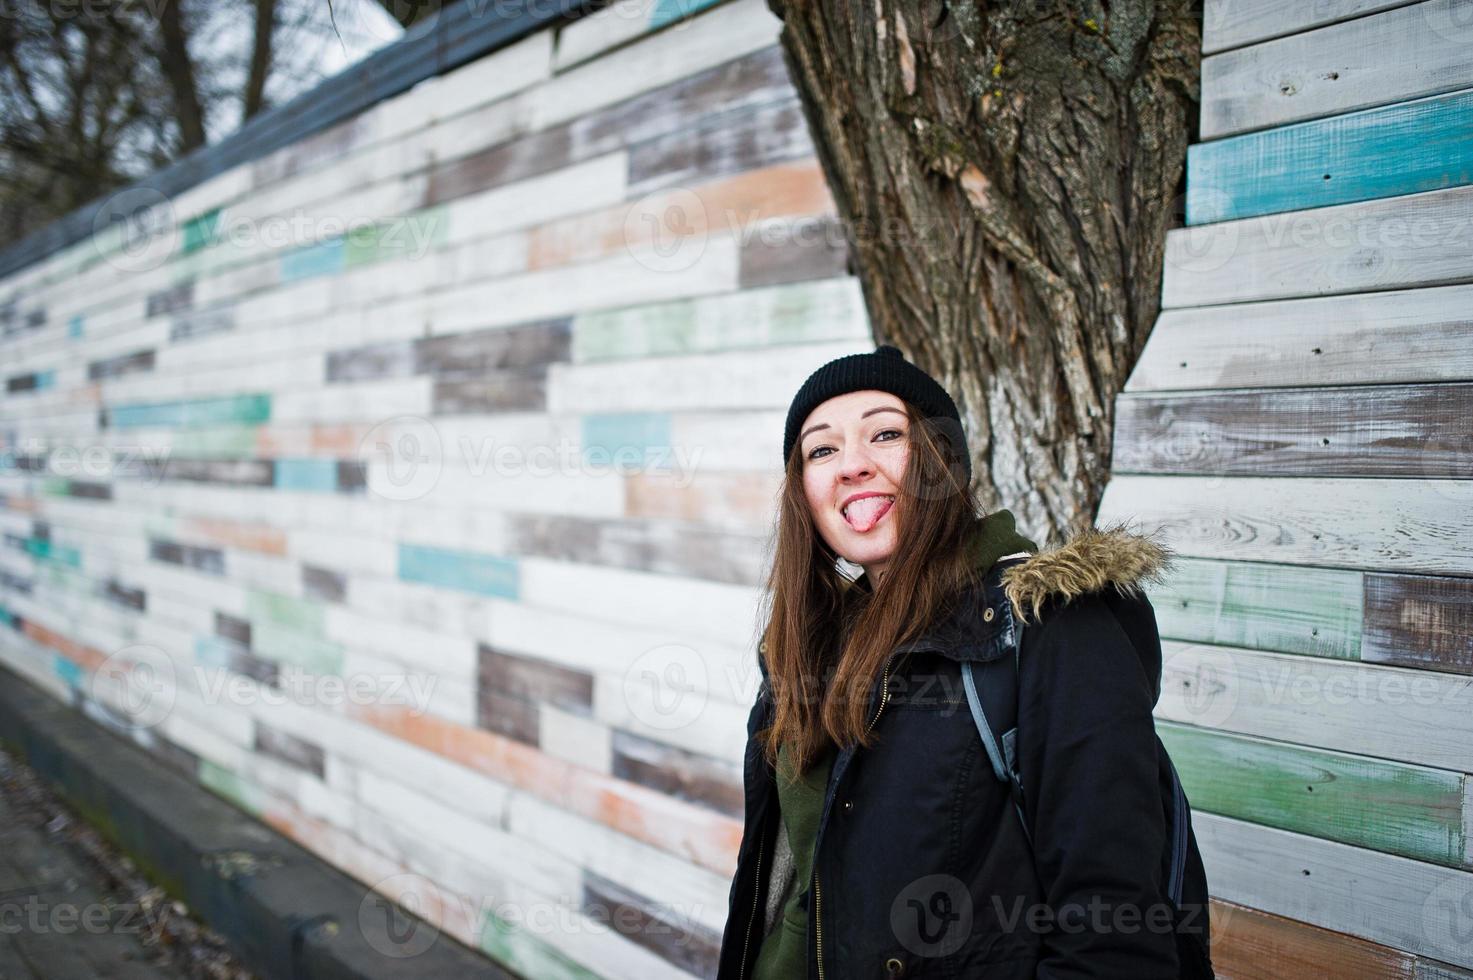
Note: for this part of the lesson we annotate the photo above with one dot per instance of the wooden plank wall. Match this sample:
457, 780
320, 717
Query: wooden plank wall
1297, 429
351, 412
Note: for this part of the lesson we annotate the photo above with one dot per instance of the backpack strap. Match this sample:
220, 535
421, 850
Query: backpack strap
992, 694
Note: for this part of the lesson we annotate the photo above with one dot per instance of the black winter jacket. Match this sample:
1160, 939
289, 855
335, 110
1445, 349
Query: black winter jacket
921, 865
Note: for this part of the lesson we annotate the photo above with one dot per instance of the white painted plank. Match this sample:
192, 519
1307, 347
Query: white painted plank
1234, 23
1405, 904
1398, 337
1415, 716
574, 738
764, 378
1391, 525
1414, 240
1399, 54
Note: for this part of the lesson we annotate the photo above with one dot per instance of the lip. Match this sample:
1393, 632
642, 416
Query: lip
860, 496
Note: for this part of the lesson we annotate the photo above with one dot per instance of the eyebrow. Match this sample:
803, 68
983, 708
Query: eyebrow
825, 425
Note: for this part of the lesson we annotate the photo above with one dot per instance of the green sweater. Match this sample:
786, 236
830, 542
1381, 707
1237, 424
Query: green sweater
782, 955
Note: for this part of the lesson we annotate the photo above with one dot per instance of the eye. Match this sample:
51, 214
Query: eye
898, 433
812, 453
894, 432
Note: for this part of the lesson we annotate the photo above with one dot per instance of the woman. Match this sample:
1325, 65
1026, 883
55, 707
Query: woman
886, 835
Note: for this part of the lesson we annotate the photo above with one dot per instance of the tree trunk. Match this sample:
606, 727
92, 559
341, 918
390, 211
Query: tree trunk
255, 90
1006, 173
179, 71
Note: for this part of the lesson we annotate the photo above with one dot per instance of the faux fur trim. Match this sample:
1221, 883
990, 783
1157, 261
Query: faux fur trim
1091, 562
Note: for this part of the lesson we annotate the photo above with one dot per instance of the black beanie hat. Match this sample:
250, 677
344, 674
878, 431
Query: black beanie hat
886, 369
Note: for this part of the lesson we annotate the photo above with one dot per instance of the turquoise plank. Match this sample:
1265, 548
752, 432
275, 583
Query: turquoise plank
668, 11
462, 570
627, 439
7, 617
65, 554
67, 670
1405, 148
214, 651
307, 474
45, 379
322, 259
74, 327
200, 231
243, 409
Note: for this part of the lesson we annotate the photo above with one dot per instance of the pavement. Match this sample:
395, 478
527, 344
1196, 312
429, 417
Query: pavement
72, 907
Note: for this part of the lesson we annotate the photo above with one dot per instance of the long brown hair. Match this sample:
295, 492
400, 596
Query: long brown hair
827, 637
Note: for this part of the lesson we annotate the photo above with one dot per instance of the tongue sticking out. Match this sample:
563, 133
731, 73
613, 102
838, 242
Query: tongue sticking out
866, 513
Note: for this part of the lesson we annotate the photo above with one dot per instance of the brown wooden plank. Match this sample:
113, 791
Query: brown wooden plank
664, 547
742, 83
190, 556
123, 595
116, 367
472, 355
805, 249
294, 751
200, 323
514, 159
509, 716
1419, 621
1417, 431
392, 359
233, 628
728, 144
534, 680
653, 925
678, 772
1251, 945
495, 391
170, 300
323, 583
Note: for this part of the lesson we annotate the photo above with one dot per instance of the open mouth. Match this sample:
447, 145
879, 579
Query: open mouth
864, 513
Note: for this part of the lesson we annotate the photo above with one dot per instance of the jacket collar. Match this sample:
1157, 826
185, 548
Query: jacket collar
984, 623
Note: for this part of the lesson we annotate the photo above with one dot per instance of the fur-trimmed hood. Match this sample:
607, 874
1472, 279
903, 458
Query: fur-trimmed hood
1093, 561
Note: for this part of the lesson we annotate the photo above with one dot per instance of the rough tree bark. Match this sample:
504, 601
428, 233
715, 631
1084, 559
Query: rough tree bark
1006, 173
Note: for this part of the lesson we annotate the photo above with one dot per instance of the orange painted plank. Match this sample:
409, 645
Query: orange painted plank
1251, 945
688, 831
746, 499
88, 658
721, 206
235, 534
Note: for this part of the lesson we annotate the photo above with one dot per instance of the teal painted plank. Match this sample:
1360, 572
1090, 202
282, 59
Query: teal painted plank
7, 617
1405, 148
322, 259
67, 671
55, 552
462, 570
307, 474
214, 651
200, 231
625, 439
516, 945
669, 11
204, 411
46, 379
74, 327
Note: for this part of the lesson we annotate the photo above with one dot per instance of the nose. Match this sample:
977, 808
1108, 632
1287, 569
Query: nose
856, 464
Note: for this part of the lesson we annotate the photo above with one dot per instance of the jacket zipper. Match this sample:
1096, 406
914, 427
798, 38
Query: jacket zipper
756, 888
817, 889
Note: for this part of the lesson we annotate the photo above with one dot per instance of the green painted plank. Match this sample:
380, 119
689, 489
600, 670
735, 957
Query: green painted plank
216, 442
409, 237
1385, 806
1405, 148
288, 646
229, 785
1314, 611
799, 313
301, 615
517, 948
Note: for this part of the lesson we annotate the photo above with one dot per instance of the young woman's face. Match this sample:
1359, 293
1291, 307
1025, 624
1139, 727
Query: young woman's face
855, 448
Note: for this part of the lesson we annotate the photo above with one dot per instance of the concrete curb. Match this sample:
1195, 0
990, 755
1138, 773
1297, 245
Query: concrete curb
289, 914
